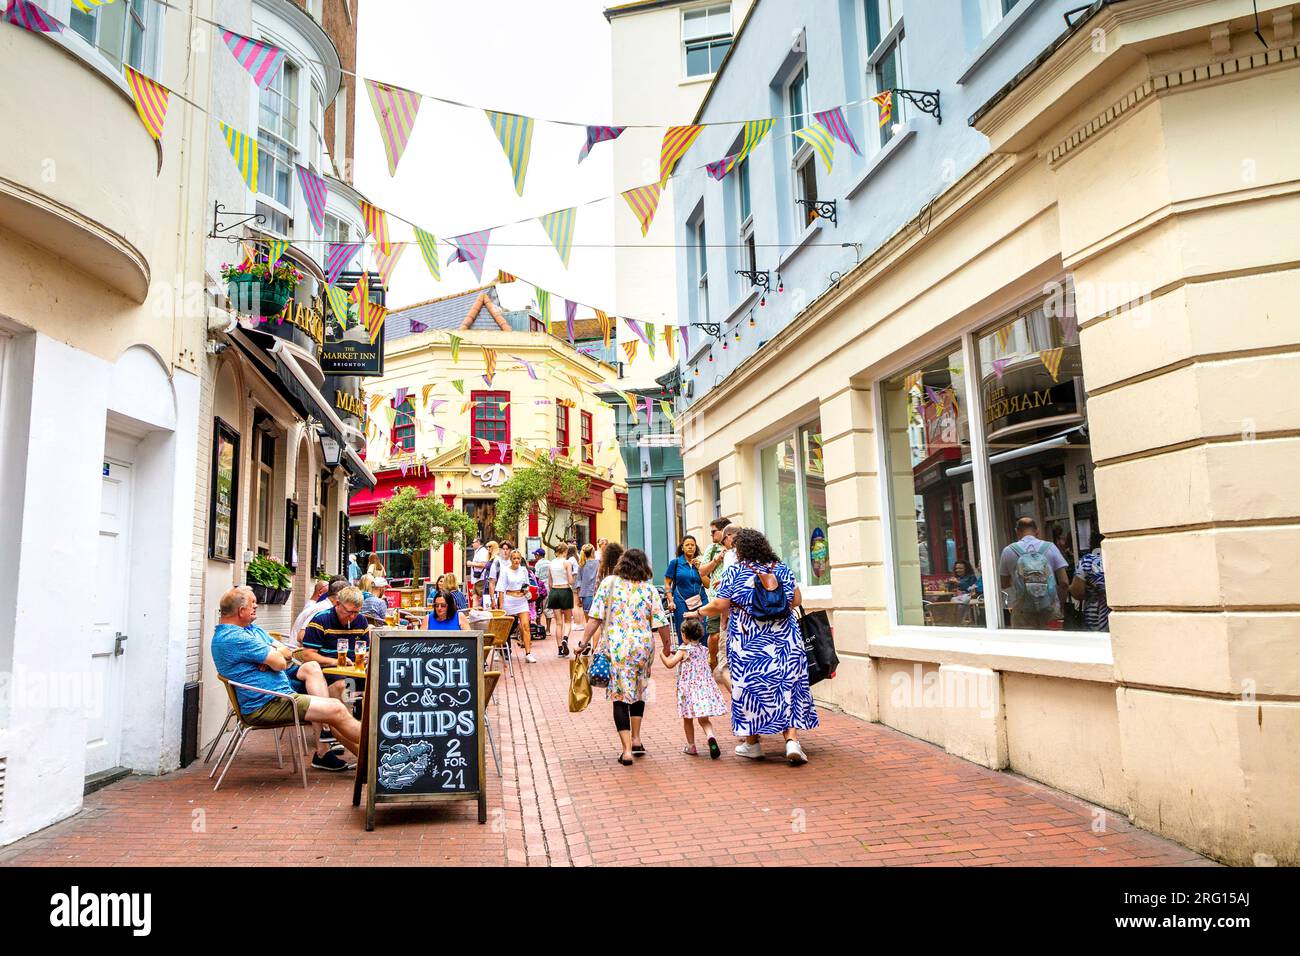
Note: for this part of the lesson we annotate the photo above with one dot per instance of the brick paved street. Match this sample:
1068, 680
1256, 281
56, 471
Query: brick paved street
869, 796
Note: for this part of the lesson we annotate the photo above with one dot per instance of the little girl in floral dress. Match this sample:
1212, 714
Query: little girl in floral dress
698, 696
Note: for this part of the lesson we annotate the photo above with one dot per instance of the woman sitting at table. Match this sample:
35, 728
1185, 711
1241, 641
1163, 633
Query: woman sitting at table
968, 585
443, 615
374, 607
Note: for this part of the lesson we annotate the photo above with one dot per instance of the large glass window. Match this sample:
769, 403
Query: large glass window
404, 427
706, 38
1031, 559
797, 103
490, 420
277, 144
122, 32
884, 59
792, 482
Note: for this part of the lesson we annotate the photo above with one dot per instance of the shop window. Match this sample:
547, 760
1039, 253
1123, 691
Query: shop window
588, 451
793, 492
125, 32
562, 428
1026, 453
223, 489
264, 460
403, 437
291, 534
490, 420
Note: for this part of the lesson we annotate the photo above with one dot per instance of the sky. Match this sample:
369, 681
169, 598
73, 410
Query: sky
541, 59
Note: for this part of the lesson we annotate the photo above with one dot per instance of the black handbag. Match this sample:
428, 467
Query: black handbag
818, 645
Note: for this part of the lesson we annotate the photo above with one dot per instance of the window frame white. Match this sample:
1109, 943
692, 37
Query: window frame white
269, 140
745, 198
892, 37
803, 573
261, 439
802, 151
150, 31
989, 553
700, 250
706, 38
993, 12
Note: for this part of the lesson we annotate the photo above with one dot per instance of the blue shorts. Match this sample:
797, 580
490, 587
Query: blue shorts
586, 603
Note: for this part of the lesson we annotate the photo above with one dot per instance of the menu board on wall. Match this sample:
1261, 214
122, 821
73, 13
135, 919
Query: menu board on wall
423, 733
223, 492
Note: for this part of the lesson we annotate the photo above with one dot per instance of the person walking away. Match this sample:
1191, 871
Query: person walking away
588, 565
560, 600
1089, 586
683, 583
698, 695
1032, 573
477, 565
512, 585
626, 607
765, 654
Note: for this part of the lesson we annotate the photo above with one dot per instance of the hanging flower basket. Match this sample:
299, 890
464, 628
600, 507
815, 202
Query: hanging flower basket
270, 580
255, 289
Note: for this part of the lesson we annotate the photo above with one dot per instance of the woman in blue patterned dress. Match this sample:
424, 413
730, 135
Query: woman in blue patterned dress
769, 670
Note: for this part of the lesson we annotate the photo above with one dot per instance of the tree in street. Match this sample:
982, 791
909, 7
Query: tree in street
545, 487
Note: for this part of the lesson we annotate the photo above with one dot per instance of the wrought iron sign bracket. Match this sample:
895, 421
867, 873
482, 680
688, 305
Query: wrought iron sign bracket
759, 280
219, 228
927, 101
711, 329
821, 209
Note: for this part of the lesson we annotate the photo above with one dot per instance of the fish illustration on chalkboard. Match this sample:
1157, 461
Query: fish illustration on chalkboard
404, 764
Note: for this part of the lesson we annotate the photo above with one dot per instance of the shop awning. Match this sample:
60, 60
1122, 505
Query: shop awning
357, 468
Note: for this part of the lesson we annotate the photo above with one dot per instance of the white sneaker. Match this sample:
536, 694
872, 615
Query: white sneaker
794, 753
530, 659
752, 751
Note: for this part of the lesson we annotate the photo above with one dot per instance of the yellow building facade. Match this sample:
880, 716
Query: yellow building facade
435, 423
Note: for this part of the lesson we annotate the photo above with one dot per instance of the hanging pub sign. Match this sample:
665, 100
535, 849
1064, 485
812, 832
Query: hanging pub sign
422, 732
348, 348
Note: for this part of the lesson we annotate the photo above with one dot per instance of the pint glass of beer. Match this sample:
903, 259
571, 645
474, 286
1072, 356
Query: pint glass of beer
363, 652
343, 652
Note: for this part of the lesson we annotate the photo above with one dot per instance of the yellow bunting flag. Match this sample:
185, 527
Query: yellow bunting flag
85, 5
377, 225
388, 262
395, 111
1051, 359
515, 133
677, 140
424, 395
912, 383
429, 249
490, 360
150, 101
243, 150
668, 340
667, 409
465, 407
603, 321
885, 104
630, 401
361, 291
391, 412
1004, 335
503, 278
375, 402
338, 300
630, 349
459, 385
483, 443
643, 200
454, 341
274, 250
375, 315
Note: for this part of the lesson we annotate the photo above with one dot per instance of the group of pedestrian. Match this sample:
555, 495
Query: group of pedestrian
760, 658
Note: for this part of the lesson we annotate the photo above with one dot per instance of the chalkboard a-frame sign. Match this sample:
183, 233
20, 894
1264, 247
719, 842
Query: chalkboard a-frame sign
422, 728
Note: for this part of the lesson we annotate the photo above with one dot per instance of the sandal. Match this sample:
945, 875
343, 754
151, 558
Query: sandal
626, 763
690, 750
714, 750
638, 750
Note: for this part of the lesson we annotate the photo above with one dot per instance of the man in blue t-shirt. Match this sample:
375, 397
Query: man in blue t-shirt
245, 654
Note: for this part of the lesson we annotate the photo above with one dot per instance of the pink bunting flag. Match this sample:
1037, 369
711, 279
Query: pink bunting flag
436, 404
25, 14
599, 134
441, 432
555, 453
388, 261
339, 255
570, 313
261, 60
395, 111
418, 327
399, 396
501, 450
649, 408
636, 327
528, 366
720, 167
471, 248
686, 338
1000, 366
833, 120
314, 191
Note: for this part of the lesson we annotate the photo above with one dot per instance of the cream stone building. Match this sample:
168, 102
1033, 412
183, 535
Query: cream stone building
1096, 325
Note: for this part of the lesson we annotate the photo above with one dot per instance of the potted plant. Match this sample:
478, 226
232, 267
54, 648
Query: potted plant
270, 579
256, 289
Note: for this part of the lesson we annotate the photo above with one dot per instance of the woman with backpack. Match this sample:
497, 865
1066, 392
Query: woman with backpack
765, 655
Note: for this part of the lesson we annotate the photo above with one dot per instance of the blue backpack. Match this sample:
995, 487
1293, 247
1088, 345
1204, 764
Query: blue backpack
767, 600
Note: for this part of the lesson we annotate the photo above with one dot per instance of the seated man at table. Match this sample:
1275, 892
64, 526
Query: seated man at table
245, 654
343, 622
322, 600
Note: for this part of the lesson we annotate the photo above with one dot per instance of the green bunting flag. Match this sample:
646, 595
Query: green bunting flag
559, 226
429, 249
515, 133
455, 346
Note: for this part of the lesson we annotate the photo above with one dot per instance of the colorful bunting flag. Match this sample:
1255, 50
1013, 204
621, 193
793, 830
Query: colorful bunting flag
1000, 366
1004, 335
885, 104
395, 110
338, 300
686, 337
599, 134
387, 263
399, 395
428, 244
490, 360
667, 409
1070, 327
337, 257
471, 248
458, 384
375, 315
1051, 359
361, 291
375, 401
631, 402
668, 341
603, 321
243, 149
650, 338
261, 60
25, 14
151, 102
635, 326
274, 250
643, 200
437, 404
677, 140
819, 137
570, 313
515, 133
720, 167
505, 278
649, 412
441, 432
911, 383
544, 306
528, 366
834, 121
755, 130
559, 226
376, 221
630, 349
314, 191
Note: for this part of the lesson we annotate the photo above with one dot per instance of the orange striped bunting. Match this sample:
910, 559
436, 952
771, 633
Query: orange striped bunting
1051, 359
676, 142
150, 101
377, 225
603, 320
644, 200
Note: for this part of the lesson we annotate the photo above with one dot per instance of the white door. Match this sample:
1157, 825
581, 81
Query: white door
109, 614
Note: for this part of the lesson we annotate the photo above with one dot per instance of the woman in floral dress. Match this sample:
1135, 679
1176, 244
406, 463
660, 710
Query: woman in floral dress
627, 607
769, 669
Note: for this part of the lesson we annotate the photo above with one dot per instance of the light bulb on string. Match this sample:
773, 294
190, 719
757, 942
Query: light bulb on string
737, 335
752, 323
780, 283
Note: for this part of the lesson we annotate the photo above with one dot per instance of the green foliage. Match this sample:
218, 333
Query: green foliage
415, 523
545, 486
269, 573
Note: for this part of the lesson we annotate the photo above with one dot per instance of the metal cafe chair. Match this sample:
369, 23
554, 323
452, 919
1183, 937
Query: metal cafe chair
243, 729
490, 681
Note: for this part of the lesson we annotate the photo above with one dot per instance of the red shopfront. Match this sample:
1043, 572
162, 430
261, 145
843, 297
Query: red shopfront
365, 502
